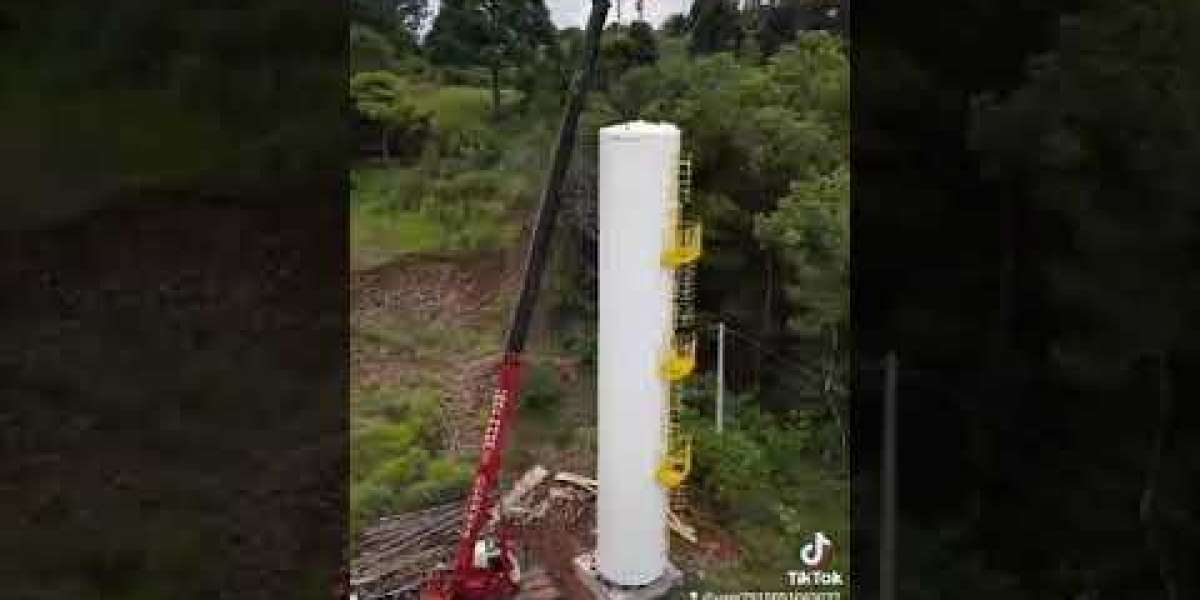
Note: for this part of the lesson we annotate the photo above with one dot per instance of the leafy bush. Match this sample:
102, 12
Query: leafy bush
415, 405
383, 97
765, 477
731, 468
471, 208
542, 390
387, 189
395, 472
405, 482
582, 344
434, 491
461, 116
377, 443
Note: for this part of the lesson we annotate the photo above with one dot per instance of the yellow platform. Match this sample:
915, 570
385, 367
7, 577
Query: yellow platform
680, 361
686, 247
676, 466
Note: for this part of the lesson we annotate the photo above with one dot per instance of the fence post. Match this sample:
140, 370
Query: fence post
720, 376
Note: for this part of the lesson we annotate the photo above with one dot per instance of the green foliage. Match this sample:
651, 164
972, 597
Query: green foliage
492, 33
378, 442
385, 217
811, 231
400, 20
770, 149
675, 25
1105, 132
387, 188
624, 48
766, 477
206, 107
542, 391
395, 472
779, 23
416, 406
370, 50
643, 44
731, 468
392, 468
470, 208
450, 200
715, 26
582, 344
383, 96
380, 95
460, 116
445, 480
458, 34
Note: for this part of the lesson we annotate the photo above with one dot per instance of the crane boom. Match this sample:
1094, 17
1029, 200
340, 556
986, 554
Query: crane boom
487, 573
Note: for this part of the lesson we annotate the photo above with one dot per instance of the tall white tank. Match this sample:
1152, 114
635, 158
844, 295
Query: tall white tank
637, 181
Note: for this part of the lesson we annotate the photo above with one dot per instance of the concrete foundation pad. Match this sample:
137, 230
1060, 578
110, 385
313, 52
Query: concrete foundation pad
585, 569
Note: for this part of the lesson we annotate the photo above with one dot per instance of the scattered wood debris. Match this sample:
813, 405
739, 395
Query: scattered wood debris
556, 520
397, 553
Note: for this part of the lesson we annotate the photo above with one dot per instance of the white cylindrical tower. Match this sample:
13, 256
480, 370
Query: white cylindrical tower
637, 180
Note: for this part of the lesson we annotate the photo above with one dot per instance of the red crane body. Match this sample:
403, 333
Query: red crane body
486, 568
469, 580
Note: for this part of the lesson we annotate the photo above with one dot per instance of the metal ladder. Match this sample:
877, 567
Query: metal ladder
683, 250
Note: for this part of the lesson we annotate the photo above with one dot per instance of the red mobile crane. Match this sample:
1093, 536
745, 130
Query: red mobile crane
485, 568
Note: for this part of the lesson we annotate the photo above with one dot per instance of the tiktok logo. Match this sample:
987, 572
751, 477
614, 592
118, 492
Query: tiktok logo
818, 552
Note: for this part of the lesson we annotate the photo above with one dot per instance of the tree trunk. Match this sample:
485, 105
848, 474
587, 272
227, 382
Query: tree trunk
383, 144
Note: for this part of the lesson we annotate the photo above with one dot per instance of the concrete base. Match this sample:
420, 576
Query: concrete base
585, 569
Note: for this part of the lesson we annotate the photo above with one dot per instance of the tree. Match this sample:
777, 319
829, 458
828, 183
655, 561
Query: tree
409, 15
715, 25
811, 230
758, 134
492, 33
1103, 140
625, 49
369, 49
780, 22
381, 96
675, 25
644, 46
398, 20
458, 35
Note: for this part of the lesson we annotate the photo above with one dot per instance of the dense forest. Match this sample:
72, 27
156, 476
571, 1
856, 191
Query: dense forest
1025, 238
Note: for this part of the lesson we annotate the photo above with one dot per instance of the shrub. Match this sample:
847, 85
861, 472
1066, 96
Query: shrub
368, 501
583, 346
379, 190
418, 407
445, 480
731, 467
471, 206
377, 443
542, 391
393, 473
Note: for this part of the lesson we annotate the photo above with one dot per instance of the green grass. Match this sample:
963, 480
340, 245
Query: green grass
454, 108
377, 237
398, 210
765, 481
394, 443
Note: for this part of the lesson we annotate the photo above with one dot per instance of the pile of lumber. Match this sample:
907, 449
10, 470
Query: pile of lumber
396, 554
